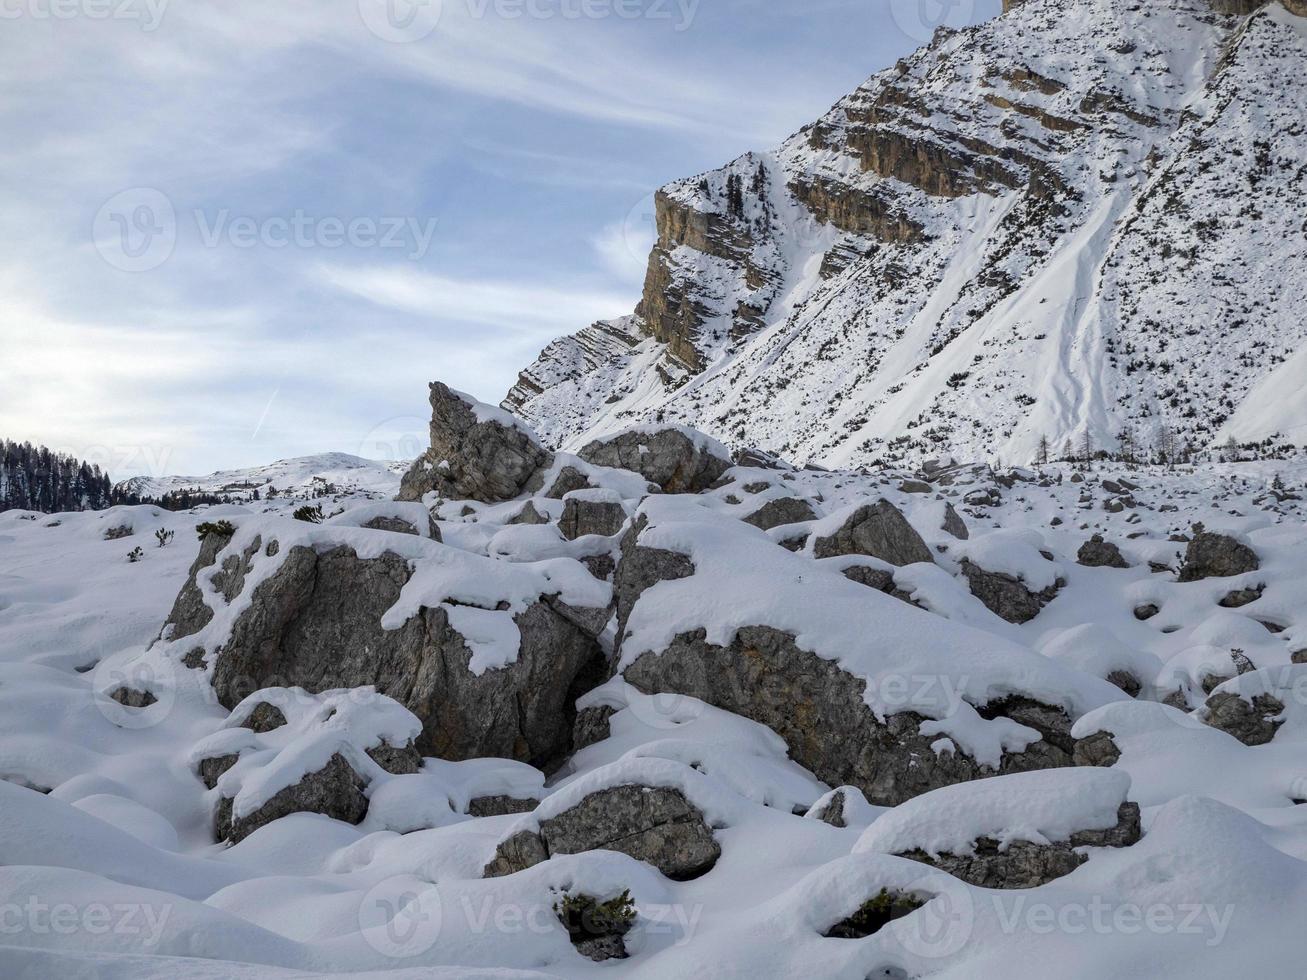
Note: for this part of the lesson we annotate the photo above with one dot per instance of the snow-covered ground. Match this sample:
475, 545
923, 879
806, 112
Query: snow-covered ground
109, 868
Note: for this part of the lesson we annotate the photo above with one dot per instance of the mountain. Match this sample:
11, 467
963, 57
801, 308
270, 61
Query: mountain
303, 476
1070, 222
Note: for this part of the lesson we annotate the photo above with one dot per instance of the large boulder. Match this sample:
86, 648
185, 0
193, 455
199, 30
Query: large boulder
478, 452
820, 711
1211, 555
1018, 831
781, 511
1100, 553
1255, 706
587, 512
498, 678
678, 460
1006, 596
650, 823
878, 530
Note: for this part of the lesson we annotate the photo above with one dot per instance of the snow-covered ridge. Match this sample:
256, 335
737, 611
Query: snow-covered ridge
1071, 220
300, 476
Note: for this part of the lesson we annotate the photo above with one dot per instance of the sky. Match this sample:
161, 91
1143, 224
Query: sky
244, 230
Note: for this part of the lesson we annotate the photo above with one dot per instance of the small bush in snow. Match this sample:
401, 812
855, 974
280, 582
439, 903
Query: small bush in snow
223, 529
312, 515
135, 555
874, 914
163, 537
596, 928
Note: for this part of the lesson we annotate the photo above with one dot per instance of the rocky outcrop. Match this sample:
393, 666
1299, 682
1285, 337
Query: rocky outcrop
654, 824
676, 460
1211, 555
1006, 596
316, 624
1098, 553
1023, 864
764, 675
476, 453
878, 530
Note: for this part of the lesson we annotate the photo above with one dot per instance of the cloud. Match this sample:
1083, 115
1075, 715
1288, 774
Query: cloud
506, 305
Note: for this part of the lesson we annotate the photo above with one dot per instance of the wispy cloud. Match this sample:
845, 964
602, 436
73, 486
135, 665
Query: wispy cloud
507, 305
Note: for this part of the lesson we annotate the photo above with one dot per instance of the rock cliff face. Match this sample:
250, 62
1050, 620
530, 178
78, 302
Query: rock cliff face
1063, 220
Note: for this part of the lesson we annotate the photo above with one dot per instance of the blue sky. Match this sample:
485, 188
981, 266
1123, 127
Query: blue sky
232, 232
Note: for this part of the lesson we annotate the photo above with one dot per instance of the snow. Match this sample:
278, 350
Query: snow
127, 822
1040, 807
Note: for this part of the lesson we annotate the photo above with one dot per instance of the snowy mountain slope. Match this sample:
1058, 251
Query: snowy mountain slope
1072, 219
301, 476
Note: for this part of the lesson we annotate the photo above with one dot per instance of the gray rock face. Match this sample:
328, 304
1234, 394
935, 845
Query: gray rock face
765, 676
211, 770
1005, 596
1252, 723
640, 568
130, 697
783, 510
569, 479
1098, 553
401, 526
528, 515
878, 530
264, 717
652, 824
1211, 555
189, 613
582, 517
470, 459
498, 806
1023, 864
592, 726
760, 459
316, 624
521, 851
832, 811
402, 760
1098, 749
878, 579
1238, 598
954, 524
668, 458
336, 790
1146, 612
